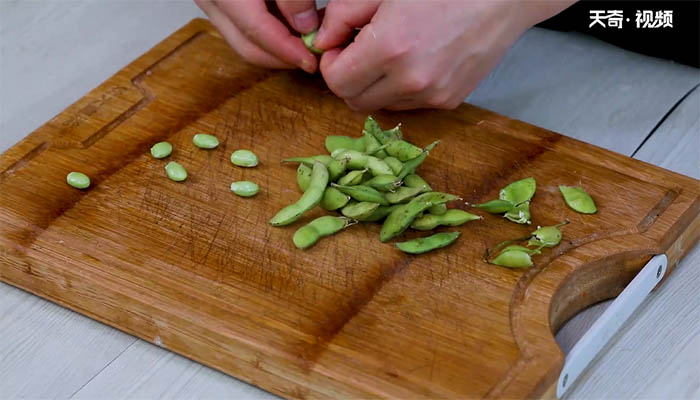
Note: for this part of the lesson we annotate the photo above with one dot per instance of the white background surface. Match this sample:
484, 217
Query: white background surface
51, 53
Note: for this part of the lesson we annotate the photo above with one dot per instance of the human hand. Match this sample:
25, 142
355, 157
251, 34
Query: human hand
415, 54
260, 37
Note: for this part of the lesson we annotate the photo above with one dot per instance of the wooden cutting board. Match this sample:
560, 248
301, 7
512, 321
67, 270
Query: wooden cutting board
197, 270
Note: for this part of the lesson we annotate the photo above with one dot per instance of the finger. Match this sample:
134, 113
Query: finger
341, 19
246, 49
301, 14
254, 21
381, 94
351, 71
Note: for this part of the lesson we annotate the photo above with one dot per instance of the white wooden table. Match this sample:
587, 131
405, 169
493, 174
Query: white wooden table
51, 53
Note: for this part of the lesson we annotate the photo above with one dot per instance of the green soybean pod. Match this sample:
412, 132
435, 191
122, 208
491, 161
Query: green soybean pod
309, 234
175, 171
519, 214
161, 150
578, 199
303, 176
519, 191
310, 199
438, 209
308, 39
382, 136
78, 180
513, 257
402, 217
546, 236
333, 199
380, 213
413, 180
426, 244
205, 141
334, 143
336, 168
403, 194
352, 177
363, 193
409, 167
359, 210
496, 206
244, 158
453, 217
357, 160
245, 188
384, 183
402, 150
394, 164
373, 146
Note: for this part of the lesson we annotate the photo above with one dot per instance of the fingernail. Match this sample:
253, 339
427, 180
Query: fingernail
306, 66
306, 21
319, 36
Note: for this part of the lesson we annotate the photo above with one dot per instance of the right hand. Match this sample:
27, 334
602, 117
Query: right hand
259, 37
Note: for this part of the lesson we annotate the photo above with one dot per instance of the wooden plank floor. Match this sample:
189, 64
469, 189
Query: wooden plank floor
52, 53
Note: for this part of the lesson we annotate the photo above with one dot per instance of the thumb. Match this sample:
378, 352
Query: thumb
301, 14
340, 20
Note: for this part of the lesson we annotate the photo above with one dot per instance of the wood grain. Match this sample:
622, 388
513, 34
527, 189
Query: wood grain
201, 273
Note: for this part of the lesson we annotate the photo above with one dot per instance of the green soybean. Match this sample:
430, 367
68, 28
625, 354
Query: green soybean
363, 193
409, 167
308, 40
402, 150
78, 180
360, 210
333, 199
403, 194
336, 168
425, 244
334, 143
352, 178
453, 217
438, 209
356, 160
245, 188
394, 164
244, 158
309, 234
380, 213
413, 180
578, 199
519, 191
496, 206
161, 150
205, 141
546, 236
310, 199
402, 217
303, 176
175, 171
384, 183
519, 214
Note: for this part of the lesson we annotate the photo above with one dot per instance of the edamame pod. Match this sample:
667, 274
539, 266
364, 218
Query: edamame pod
514, 257
355, 160
310, 199
352, 178
336, 168
205, 141
425, 244
453, 217
578, 199
333, 199
410, 166
384, 183
519, 191
345, 142
546, 236
403, 194
438, 209
308, 39
303, 176
402, 150
519, 214
362, 193
373, 146
373, 128
496, 206
309, 234
413, 180
359, 210
380, 213
401, 217
394, 164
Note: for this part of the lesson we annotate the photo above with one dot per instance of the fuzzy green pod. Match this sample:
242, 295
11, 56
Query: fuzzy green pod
308, 40
394, 163
402, 217
78, 180
161, 150
357, 160
309, 234
303, 176
352, 177
578, 199
336, 168
546, 236
373, 146
334, 143
519, 214
333, 199
403, 194
360, 210
175, 171
245, 188
310, 199
382, 136
409, 167
514, 257
402, 150
496, 206
438, 209
363, 193
244, 158
426, 244
205, 141
413, 180
384, 183
519, 191
453, 217
380, 213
